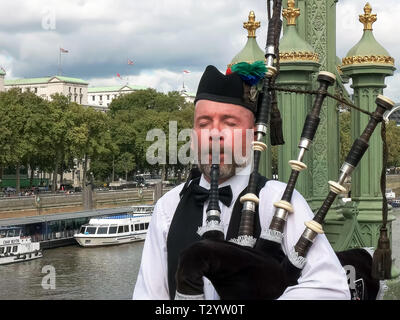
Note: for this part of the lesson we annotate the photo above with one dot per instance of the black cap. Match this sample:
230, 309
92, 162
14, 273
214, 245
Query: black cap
216, 86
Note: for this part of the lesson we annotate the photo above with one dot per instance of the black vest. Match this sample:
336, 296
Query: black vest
188, 218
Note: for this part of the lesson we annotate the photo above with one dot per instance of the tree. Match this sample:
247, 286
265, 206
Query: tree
62, 123
125, 163
23, 119
393, 138
90, 137
134, 115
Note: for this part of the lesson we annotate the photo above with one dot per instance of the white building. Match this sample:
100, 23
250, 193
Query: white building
75, 89
101, 97
189, 96
2, 75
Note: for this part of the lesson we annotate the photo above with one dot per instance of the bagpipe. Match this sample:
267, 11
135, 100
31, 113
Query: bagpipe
251, 268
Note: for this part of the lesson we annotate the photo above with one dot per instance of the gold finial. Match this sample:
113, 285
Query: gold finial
367, 18
251, 25
291, 13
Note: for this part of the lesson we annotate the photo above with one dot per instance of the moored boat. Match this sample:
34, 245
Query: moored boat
113, 230
14, 247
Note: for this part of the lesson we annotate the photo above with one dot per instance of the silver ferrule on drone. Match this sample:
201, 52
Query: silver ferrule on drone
309, 234
213, 213
261, 128
281, 213
249, 205
270, 55
345, 171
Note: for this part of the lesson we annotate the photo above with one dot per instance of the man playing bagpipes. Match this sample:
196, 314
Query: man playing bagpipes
227, 103
230, 233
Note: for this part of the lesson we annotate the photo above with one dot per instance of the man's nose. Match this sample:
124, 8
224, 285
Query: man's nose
215, 134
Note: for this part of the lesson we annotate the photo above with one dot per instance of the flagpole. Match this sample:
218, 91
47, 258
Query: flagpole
59, 62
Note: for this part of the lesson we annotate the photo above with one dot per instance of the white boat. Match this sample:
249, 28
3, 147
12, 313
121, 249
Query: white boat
16, 248
113, 230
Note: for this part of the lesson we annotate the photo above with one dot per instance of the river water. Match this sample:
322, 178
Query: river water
102, 273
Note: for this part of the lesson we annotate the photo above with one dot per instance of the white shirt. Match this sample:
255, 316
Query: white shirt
322, 277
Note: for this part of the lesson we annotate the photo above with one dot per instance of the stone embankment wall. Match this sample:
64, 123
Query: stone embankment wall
14, 207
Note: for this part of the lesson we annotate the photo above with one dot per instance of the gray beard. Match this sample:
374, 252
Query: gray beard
226, 171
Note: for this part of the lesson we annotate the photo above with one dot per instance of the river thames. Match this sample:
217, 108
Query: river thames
102, 273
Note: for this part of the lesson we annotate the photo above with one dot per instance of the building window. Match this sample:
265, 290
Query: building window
35, 90
101, 98
69, 89
80, 90
108, 97
93, 98
80, 100
74, 90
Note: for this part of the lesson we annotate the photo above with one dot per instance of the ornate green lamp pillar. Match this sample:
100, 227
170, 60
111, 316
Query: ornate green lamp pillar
317, 25
251, 53
297, 63
367, 64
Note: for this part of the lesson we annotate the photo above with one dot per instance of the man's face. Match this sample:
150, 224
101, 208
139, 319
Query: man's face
221, 130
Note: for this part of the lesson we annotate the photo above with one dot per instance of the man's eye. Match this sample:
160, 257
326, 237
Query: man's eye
231, 124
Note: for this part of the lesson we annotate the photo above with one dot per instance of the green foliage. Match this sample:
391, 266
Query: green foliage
131, 117
345, 134
393, 139
49, 135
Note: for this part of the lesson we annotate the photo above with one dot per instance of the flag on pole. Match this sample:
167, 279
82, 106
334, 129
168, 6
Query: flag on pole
63, 50
186, 71
119, 76
130, 62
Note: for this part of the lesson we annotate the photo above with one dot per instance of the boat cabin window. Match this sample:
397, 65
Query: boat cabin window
8, 250
91, 230
82, 230
126, 228
120, 229
102, 230
146, 225
15, 249
112, 230
1, 250
139, 226
132, 227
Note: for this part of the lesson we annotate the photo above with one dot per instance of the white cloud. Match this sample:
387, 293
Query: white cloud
163, 37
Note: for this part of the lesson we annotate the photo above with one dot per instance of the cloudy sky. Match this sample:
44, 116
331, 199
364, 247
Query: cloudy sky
162, 37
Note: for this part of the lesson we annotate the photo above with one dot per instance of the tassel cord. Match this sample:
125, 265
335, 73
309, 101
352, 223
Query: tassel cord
383, 175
